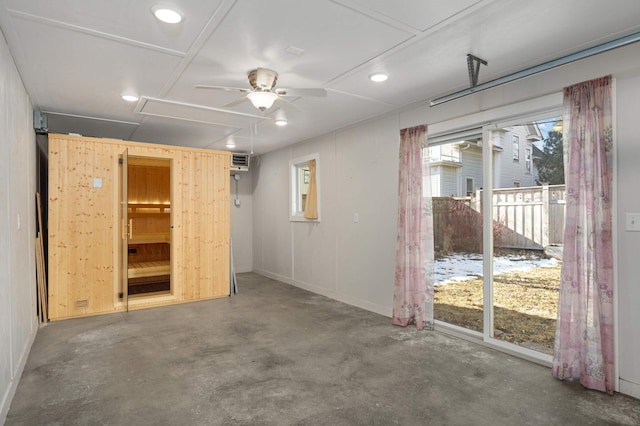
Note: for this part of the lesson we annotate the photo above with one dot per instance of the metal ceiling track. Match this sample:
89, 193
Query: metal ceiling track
605, 47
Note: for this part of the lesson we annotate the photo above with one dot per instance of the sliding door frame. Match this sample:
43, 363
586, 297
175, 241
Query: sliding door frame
488, 121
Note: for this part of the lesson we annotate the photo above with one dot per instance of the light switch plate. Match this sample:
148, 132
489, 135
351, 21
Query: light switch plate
633, 222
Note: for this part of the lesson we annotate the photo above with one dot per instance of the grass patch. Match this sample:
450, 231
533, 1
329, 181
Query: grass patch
525, 306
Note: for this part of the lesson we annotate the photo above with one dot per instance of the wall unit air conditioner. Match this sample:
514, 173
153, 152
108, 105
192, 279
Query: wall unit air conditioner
240, 161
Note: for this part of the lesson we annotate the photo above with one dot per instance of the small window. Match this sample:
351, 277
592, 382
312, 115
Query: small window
527, 160
516, 148
305, 188
516, 184
469, 187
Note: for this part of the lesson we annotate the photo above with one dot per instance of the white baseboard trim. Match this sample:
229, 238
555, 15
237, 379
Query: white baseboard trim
630, 388
349, 300
13, 384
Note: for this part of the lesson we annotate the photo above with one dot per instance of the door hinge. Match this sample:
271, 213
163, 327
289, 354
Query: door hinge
120, 161
120, 295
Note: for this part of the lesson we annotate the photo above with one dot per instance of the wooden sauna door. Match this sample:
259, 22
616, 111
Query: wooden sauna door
149, 228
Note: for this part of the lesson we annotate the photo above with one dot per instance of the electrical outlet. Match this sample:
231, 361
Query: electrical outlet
356, 218
236, 202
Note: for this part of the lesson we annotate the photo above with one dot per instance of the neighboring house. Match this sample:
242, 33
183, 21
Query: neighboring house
514, 164
456, 167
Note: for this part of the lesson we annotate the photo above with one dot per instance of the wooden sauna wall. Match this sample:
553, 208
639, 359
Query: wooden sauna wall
84, 229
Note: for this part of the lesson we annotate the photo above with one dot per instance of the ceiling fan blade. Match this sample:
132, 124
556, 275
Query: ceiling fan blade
228, 89
285, 104
318, 93
236, 102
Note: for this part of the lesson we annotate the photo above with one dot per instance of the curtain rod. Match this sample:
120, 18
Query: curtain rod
605, 47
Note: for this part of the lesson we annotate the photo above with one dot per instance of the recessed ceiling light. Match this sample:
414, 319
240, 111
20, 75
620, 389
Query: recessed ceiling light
281, 122
230, 144
167, 15
130, 98
378, 77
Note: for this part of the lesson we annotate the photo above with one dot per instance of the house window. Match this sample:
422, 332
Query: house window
300, 185
527, 160
469, 186
516, 148
516, 184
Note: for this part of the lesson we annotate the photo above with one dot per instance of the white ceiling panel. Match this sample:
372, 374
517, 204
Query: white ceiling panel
257, 34
129, 20
419, 14
89, 75
177, 132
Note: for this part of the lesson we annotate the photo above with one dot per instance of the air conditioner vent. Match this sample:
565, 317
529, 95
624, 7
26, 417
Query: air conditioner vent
240, 161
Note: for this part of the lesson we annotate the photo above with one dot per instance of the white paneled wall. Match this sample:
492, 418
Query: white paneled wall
272, 241
18, 321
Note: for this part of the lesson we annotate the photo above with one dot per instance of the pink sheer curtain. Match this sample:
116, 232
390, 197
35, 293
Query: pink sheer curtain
413, 290
584, 336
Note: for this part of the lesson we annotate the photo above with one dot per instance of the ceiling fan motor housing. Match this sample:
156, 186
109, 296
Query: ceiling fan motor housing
262, 79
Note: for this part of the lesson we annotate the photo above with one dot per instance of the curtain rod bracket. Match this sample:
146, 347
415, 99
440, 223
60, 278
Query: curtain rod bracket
473, 64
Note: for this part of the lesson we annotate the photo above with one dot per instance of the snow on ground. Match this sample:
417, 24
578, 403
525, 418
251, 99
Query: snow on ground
467, 266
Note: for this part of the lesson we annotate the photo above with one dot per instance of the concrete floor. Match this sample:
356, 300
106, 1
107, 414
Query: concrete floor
278, 355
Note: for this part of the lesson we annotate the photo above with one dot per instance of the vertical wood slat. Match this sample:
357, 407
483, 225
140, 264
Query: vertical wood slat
82, 223
528, 216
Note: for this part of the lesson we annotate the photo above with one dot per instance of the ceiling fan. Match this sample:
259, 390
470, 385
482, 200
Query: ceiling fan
263, 93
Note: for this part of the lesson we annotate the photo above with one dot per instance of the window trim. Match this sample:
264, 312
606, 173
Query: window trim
472, 192
528, 160
295, 165
515, 142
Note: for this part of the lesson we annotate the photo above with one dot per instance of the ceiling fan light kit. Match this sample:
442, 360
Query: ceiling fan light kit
262, 100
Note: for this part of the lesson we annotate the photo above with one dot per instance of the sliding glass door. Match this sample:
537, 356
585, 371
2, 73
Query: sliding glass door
498, 224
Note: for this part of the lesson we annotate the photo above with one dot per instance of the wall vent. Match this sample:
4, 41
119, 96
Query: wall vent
240, 161
82, 303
